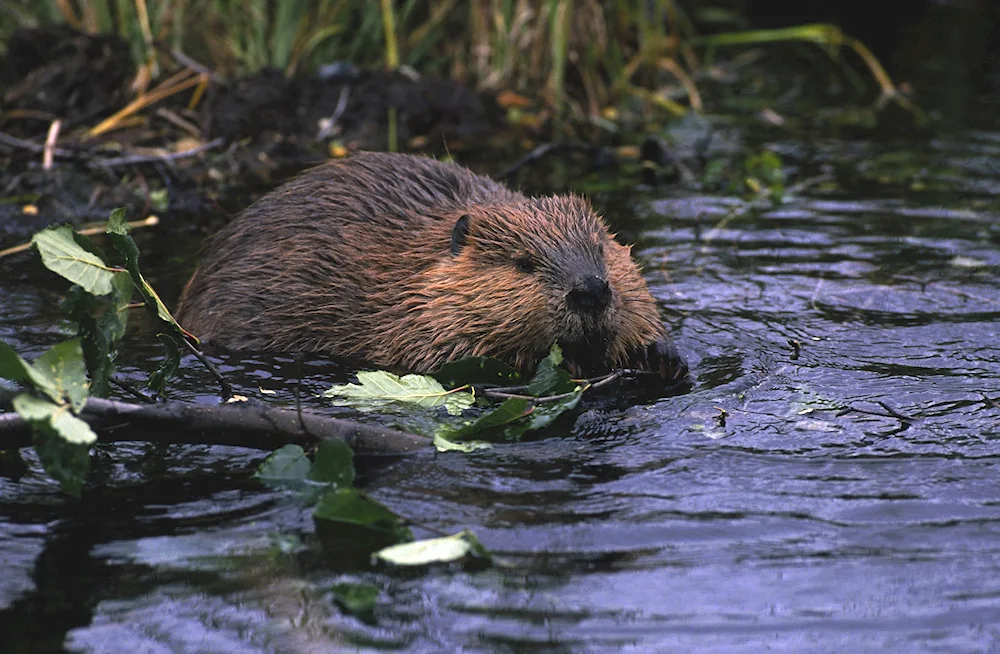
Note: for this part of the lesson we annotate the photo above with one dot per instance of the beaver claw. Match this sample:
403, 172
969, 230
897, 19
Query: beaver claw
662, 359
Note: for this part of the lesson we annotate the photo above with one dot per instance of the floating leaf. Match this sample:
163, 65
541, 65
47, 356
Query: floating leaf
287, 464
356, 599
378, 388
349, 508
288, 469
62, 255
291, 469
476, 370
334, 464
434, 550
64, 367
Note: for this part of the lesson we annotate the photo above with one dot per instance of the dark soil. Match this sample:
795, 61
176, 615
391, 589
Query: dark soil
258, 126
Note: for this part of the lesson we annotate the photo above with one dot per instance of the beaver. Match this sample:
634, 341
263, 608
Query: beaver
406, 261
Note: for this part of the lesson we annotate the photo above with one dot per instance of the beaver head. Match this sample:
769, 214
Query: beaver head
510, 279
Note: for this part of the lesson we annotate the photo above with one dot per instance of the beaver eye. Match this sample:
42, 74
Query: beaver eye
525, 264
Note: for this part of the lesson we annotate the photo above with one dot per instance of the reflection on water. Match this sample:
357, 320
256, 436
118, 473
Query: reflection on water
830, 483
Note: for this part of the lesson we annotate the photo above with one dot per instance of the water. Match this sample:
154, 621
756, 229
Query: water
830, 484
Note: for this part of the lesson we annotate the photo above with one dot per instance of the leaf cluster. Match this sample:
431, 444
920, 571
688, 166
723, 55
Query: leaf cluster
67, 374
465, 424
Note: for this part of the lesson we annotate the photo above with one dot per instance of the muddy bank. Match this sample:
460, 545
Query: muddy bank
83, 129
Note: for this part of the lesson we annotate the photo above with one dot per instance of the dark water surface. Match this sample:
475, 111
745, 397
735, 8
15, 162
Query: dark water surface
841, 493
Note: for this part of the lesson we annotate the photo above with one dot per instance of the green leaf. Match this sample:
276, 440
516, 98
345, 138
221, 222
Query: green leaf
334, 464
60, 373
485, 428
67, 463
476, 370
117, 231
64, 367
167, 368
101, 323
444, 445
115, 319
288, 469
434, 550
14, 368
543, 415
379, 388
550, 379
62, 441
171, 334
508, 422
349, 507
64, 256
356, 599
57, 417
288, 463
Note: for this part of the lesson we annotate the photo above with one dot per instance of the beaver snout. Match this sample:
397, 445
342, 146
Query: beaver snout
590, 294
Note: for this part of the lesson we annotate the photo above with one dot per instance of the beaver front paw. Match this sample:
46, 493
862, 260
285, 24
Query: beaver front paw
664, 362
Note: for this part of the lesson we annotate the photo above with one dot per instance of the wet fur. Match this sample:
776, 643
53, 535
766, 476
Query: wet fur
358, 257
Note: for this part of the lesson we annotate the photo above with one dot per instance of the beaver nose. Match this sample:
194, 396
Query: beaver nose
590, 294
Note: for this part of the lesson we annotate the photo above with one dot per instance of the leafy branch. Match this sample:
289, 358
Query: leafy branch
466, 424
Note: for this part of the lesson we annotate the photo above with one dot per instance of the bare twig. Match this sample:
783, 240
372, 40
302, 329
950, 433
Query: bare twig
155, 158
131, 390
95, 162
548, 399
172, 118
31, 146
50, 144
149, 221
194, 65
592, 382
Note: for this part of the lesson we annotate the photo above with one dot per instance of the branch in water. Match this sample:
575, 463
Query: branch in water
255, 426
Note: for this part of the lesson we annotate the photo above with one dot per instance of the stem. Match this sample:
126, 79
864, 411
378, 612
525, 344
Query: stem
227, 390
389, 26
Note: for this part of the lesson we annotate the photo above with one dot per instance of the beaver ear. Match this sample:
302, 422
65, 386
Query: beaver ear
460, 234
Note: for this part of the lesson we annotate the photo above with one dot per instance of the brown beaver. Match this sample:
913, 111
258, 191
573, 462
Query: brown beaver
406, 261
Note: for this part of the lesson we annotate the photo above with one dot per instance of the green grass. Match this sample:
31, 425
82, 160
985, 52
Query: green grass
577, 57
